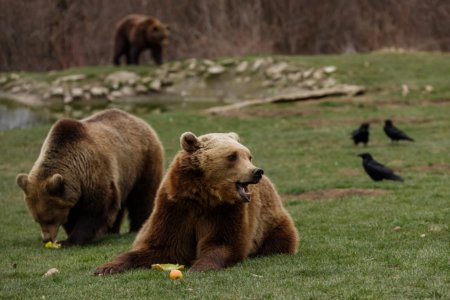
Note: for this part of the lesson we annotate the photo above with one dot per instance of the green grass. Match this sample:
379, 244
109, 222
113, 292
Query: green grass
385, 73
348, 247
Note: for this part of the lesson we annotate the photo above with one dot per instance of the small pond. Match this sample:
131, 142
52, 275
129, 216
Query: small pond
14, 115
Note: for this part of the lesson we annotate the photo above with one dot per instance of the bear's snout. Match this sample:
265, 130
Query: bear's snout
49, 233
257, 175
46, 237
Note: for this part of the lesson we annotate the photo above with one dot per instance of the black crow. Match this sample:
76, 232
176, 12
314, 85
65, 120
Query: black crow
394, 133
361, 135
377, 171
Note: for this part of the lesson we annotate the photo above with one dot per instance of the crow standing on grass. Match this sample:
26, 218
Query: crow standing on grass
394, 133
377, 171
361, 135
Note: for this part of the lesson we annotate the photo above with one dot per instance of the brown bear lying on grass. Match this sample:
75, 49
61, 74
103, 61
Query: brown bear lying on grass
136, 33
89, 172
213, 209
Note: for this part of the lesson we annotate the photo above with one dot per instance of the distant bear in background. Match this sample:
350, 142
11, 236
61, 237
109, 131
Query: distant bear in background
89, 172
136, 33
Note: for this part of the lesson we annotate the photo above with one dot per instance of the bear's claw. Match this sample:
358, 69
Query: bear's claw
109, 268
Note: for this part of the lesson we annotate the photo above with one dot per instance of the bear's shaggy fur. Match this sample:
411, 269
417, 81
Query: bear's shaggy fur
136, 33
89, 172
213, 209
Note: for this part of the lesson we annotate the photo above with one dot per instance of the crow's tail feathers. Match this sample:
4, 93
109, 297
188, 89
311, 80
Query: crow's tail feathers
396, 178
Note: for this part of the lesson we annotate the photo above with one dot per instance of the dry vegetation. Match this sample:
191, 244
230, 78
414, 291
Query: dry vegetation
52, 34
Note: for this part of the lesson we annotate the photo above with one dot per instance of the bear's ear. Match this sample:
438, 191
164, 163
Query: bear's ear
22, 181
189, 142
233, 135
55, 185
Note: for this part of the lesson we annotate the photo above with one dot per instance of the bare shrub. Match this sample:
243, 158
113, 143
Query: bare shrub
52, 34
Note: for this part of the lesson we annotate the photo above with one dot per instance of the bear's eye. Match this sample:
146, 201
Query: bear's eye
250, 158
232, 157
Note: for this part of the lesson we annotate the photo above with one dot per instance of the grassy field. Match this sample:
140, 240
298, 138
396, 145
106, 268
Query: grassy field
349, 248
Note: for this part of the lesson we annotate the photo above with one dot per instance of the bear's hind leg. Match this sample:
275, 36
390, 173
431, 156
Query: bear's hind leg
157, 54
282, 239
121, 47
134, 54
140, 201
115, 228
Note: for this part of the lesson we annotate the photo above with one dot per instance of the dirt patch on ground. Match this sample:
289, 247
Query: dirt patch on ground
334, 194
434, 168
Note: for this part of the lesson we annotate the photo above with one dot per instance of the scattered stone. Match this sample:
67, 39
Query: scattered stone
57, 91
405, 90
146, 80
397, 228
423, 235
141, 89
329, 69
16, 89
242, 67
429, 88
114, 95
127, 91
275, 71
208, 62
122, 77
318, 74
77, 93
51, 272
14, 76
215, 69
310, 83
308, 73
67, 98
98, 91
294, 77
192, 64
257, 64
155, 86
3, 79
70, 78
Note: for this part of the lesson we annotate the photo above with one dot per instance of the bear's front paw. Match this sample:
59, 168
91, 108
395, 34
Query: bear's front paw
110, 268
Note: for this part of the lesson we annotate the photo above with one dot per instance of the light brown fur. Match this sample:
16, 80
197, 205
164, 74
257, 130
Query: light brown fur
89, 172
201, 219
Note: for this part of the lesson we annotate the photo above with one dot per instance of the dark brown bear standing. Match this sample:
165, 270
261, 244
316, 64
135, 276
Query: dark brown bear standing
136, 33
89, 172
214, 208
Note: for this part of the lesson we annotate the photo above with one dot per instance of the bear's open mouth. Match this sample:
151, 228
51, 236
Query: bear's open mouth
242, 189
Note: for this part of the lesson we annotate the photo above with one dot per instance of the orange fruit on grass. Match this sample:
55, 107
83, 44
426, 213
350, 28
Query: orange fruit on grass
175, 274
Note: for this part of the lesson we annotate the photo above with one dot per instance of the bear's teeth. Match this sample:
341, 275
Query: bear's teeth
243, 191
